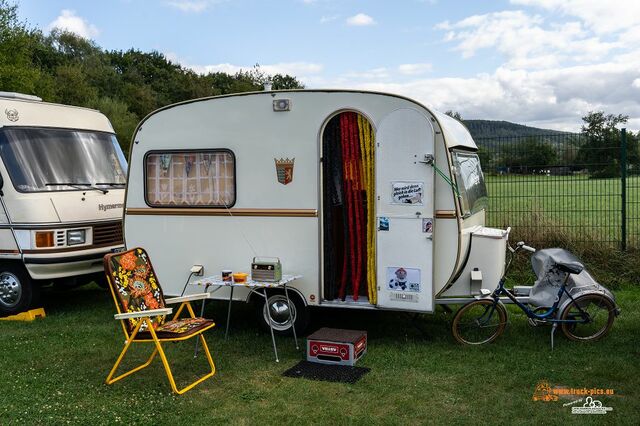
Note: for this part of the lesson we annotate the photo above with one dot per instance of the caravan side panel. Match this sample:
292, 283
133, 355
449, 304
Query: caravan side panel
268, 218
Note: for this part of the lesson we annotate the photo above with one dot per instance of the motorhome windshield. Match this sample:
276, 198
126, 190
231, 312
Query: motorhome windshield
40, 159
473, 192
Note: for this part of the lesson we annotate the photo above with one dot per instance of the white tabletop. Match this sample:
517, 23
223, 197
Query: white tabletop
216, 280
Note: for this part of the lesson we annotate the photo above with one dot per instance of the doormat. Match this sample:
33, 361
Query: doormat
326, 372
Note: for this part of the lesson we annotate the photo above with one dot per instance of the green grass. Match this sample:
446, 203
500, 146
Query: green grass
589, 210
52, 372
573, 212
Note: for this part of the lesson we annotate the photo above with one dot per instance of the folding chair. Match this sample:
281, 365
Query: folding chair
142, 313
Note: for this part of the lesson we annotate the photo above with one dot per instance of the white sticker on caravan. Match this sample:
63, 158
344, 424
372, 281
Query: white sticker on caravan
427, 225
403, 279
407, 193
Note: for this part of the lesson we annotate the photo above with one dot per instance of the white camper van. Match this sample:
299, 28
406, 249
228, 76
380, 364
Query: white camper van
62, 178
374, 199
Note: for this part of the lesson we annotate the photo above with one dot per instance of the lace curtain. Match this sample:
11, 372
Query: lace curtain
205, 178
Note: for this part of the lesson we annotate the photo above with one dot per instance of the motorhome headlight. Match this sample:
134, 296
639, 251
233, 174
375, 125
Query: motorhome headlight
77, 236
44, 239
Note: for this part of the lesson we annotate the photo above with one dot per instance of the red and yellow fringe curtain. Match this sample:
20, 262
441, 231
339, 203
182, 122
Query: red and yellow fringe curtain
367, 162
358, 158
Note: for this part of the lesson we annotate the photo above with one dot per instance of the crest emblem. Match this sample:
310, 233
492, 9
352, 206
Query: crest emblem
12, 114
284, 170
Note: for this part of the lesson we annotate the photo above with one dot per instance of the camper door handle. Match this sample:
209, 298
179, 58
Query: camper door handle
428, 159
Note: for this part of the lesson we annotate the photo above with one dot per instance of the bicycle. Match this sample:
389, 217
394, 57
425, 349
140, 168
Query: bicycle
587, 317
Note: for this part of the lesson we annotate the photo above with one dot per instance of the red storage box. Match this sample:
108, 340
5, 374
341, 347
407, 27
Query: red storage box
336, 346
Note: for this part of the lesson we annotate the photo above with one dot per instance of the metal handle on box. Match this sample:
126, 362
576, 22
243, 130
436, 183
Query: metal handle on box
265, 258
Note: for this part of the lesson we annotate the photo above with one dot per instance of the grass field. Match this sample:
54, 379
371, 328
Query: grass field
586, 210
52, 372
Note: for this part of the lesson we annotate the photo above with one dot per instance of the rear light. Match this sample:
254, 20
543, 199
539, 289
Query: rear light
44, 239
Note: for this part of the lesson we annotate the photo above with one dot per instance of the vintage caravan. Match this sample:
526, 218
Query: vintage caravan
62, 177
374, 199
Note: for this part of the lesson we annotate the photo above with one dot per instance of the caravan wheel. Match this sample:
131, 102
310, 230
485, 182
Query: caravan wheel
17, 291
279, 310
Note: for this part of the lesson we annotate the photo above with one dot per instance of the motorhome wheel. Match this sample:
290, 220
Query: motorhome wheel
279, 310
17, 290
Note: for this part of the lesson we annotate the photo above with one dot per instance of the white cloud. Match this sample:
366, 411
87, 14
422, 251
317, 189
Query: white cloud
554, 69
526, 41
329, 18
301, 70
601, 16
360, 20
581, 56
414, 69
554, 98
375, 74
69, 21
192, 6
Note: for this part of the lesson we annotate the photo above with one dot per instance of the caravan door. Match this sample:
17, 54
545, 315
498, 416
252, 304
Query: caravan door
405, 207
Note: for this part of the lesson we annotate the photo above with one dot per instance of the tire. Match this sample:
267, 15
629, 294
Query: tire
467, 328
279, 311
18, 292
601, 311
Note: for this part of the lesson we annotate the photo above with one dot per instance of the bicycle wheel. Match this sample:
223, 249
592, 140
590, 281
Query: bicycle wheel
479, 322
594, 323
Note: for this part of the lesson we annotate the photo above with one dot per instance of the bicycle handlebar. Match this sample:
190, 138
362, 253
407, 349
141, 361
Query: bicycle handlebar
514, 251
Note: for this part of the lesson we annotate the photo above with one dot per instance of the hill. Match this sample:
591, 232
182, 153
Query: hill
491, 129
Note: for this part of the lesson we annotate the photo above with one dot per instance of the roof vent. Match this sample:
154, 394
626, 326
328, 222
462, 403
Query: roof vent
15, 95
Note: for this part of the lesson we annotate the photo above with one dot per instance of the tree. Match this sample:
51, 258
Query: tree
18, 70
600, 154
531, 155
125, 85
536, 155
124, 121
454, 114
72, 87
283, 82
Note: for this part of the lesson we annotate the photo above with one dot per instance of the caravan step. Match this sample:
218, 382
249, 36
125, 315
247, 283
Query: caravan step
336, 346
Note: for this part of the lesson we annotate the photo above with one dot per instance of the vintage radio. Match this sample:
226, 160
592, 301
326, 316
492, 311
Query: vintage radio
266, 269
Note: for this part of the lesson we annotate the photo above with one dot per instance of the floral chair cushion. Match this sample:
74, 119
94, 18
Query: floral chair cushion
181, 327
135, 284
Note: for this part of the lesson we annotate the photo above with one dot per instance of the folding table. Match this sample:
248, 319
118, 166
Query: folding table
215, 283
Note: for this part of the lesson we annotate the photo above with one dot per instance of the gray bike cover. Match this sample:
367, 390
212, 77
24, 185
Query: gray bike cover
545, 290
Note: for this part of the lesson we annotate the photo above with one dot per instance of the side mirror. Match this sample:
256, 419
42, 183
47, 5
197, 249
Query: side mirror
1, 186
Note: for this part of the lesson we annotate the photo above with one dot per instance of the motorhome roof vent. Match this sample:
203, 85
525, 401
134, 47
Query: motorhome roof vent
15, 95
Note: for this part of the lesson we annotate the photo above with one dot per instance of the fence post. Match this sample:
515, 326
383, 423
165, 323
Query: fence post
623, 183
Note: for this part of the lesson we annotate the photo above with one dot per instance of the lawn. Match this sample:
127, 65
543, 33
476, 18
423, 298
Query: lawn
52, 372
588, 209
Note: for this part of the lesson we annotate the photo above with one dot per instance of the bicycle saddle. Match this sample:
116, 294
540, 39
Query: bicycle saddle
570, 267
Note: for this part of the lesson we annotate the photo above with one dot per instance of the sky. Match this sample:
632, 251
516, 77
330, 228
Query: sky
544, 63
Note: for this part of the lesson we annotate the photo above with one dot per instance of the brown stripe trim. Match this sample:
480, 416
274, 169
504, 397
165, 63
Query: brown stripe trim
445, 214
166, 211
9, 251
72, 248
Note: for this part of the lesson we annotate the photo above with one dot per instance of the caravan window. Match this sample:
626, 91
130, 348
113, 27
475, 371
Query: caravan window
473, 192
203, 178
